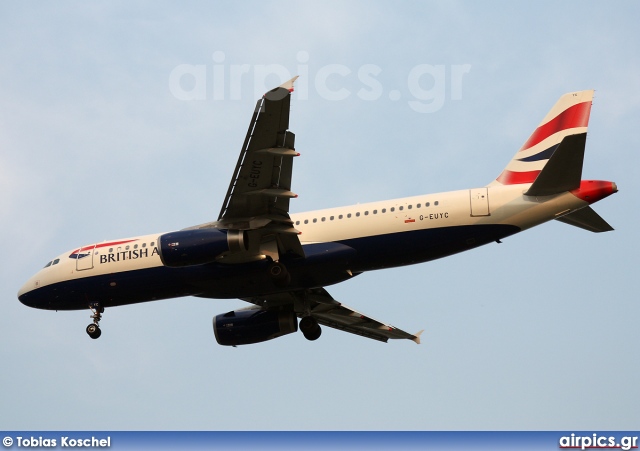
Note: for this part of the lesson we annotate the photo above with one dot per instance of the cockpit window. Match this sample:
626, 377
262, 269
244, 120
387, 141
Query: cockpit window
51, 263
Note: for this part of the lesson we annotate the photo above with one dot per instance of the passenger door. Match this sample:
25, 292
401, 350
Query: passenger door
84, 259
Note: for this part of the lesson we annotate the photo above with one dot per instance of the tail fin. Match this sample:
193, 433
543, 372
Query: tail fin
569, 116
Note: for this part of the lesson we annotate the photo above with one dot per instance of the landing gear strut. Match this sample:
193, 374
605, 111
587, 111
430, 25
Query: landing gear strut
310, 328
93, 329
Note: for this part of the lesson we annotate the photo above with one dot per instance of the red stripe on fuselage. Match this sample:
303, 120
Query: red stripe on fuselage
97, 246
572, 117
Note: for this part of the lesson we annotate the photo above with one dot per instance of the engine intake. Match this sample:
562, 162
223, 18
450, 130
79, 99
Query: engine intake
243, 327
192, 247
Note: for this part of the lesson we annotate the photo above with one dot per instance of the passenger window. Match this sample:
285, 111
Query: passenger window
340, 217
348, 215
427, 204
323, 219
143, 245
410, 207
331, 218
401, 208
375, 212
384, 210
315, 220
297, 222
135, 246
392, 209
358, 214
306, 221
435, 203
418, 206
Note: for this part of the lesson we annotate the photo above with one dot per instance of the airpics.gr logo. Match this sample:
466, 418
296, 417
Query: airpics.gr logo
424, 87
597, 441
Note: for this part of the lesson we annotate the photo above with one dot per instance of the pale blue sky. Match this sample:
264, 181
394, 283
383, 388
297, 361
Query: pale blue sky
539, 332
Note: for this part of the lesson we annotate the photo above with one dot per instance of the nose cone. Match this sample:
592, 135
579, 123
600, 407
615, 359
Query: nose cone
24, 294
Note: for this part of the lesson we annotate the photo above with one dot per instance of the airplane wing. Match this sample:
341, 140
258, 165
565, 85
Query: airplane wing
256, 207
318, 303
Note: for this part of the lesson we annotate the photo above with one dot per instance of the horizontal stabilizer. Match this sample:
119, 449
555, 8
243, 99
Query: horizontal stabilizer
563, 171
586, 218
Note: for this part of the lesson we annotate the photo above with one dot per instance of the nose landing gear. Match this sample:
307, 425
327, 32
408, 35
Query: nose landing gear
93, 329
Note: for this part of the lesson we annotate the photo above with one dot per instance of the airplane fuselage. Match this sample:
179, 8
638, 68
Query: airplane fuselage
339, 243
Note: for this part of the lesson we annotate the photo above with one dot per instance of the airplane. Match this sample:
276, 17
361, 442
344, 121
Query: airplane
280, 262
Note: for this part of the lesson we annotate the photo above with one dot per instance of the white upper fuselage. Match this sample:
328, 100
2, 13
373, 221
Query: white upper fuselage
506, 205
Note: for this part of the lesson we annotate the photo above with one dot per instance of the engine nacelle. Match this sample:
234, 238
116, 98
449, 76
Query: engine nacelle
243, 327
197, 247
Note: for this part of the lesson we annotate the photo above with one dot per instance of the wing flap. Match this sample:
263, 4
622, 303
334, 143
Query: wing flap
346, 319
327, 311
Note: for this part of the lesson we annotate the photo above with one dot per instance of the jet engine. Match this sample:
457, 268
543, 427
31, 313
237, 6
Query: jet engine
198, 246
253, 325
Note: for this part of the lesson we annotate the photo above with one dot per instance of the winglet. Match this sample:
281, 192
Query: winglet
289, 84
416, 337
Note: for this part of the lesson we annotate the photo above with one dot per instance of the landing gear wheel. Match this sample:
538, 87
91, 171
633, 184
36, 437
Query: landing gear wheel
94, 331
310, 328
278, 274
